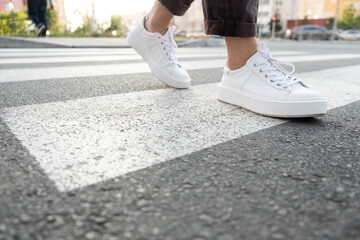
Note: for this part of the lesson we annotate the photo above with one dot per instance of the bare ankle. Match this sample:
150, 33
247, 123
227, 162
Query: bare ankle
240, 49
236, 65
158, 19
150, 27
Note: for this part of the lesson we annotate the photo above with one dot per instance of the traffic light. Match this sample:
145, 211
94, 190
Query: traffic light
274, 18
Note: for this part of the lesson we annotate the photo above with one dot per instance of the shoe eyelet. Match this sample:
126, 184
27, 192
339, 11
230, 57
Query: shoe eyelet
271, 80
260, 71
254, 64
162, 42
266, 76
285, 87
279, 85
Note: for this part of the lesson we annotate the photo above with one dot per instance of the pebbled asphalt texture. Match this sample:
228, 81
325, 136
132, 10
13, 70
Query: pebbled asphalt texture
298, 180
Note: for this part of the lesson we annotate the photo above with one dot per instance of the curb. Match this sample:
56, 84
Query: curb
17, 42
20, 42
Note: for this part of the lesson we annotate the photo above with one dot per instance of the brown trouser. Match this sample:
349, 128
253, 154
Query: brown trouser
234, 18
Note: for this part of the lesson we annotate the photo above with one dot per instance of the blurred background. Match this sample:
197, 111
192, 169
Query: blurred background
293, 19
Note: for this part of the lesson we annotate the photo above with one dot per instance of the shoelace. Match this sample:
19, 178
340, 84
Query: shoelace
167, 40
273, 70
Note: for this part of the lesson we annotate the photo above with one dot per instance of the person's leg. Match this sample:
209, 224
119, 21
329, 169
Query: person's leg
153, 39
236, 21
253, 79
42, 14
162, 12
239, 50
158, 19
33, 12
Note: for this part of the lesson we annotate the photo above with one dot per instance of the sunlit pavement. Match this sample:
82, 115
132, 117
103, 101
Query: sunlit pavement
92, 146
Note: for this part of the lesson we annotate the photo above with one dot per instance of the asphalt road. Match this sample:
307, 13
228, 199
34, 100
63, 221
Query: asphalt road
92, 146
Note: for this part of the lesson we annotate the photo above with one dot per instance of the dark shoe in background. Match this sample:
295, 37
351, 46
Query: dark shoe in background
41, 30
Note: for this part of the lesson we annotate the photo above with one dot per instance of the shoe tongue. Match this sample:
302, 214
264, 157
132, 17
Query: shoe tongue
167, 33
254, 59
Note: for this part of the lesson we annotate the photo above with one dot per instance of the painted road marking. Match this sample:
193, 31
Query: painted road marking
61, 52
95, 58
103, 58
14, 75
185, 52
36, 50
82, 142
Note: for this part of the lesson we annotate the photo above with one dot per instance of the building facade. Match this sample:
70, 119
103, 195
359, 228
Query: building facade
192, 21
286, 10
315, 9
330, 7
9, 5
265, 14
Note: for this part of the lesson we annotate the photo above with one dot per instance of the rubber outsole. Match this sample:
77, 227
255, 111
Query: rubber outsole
279, 109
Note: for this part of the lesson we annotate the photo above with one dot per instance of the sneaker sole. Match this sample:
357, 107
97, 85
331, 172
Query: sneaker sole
149, 58
280, 109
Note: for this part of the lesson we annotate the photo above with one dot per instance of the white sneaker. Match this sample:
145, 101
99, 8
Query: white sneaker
264, 87
159, 53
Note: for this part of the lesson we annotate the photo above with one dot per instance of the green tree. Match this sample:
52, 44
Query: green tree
13, 23
357, 22
86, 27
349, 21
348, 16
305, 21
116, 25
52, 21
330, 23
278, 26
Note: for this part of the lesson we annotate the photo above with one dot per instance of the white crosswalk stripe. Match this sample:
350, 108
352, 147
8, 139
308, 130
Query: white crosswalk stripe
99, 58
181, 53
95, 58
84, 141
13, 75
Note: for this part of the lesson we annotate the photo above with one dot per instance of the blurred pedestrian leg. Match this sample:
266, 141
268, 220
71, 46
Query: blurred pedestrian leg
37, 13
